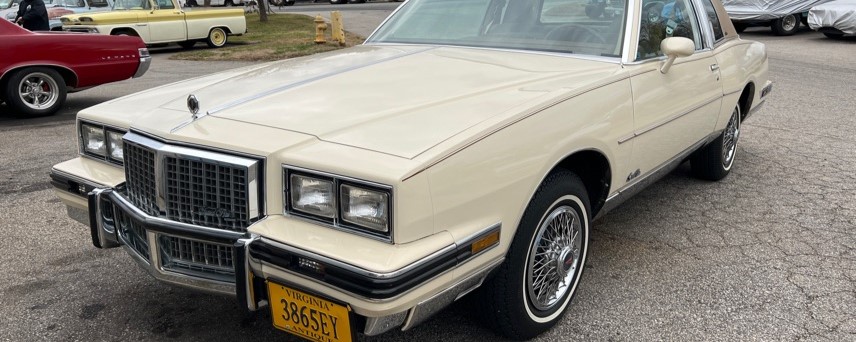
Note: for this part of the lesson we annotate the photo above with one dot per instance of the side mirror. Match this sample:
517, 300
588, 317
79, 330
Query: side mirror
674, 47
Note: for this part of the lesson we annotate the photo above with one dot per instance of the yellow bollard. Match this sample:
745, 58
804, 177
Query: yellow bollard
320, 27
338, 33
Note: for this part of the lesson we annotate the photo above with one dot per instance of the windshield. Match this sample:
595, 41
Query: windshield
69, 3
539, 25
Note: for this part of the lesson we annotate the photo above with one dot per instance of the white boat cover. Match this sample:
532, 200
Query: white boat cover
840, 14
766, 9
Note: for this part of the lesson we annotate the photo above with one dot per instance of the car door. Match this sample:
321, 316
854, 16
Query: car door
676, 109
166, 23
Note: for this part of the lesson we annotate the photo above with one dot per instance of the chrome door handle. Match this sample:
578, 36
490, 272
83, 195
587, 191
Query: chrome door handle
714, 67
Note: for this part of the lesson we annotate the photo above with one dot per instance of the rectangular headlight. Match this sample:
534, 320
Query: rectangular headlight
115, 146
312, 195
93, 139
365, 208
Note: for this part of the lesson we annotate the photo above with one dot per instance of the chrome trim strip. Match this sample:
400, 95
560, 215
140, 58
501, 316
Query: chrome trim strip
629, 23
665, 121
180, 225
357, 269
651, 177
614, 60
337, 225
309, 80
755, 109
428, 307
732, 92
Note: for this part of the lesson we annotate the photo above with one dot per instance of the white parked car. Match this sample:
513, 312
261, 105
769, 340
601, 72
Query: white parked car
467, 146
834, 19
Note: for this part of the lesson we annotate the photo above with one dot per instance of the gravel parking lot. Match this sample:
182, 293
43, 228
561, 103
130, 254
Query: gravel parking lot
769, 253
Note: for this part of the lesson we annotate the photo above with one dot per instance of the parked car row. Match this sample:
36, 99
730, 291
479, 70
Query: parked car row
835, 19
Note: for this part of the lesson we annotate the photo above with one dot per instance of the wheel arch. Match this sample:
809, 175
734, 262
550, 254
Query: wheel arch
130, 30
69, 76
745, 100
594, 169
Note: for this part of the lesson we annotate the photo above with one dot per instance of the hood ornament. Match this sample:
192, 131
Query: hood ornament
193, 105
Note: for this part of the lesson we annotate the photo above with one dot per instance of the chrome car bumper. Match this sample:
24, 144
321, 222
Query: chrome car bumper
145, 63
249, 253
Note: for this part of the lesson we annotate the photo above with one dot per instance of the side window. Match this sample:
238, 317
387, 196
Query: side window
713, 19
663, 19
165, 4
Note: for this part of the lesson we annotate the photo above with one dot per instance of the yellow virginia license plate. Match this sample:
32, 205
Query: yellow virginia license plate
308, 316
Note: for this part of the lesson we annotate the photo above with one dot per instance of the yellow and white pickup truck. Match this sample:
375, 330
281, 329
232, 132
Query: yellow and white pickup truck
161, 21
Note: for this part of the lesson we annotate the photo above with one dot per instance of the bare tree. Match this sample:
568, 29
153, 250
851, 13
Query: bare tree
263, 10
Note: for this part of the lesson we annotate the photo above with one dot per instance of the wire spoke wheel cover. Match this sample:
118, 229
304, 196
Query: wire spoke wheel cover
554, 258
38, 91
729, 139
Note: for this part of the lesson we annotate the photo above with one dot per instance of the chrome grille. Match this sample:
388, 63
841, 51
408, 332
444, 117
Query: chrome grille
207, 193
140, 177
191, 186
197, 258
132, 233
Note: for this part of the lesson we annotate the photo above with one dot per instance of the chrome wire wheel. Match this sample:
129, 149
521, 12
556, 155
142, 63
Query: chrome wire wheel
729, 139
38, 91
554, 258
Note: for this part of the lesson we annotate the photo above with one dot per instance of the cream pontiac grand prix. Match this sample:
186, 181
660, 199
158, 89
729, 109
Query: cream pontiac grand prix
467, 146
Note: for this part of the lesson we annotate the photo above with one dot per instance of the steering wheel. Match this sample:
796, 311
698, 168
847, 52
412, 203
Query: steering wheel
570, 33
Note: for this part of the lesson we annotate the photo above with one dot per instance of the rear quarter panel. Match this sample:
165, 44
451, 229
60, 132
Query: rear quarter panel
741, 62
200, 22
94, 59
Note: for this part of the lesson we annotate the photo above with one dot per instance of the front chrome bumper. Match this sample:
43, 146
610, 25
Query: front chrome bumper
107, 203
252, 255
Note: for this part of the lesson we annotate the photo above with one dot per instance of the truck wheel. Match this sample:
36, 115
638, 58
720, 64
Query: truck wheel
714, 161
35, 91
532, 289
216, 38
228, 3
787, 25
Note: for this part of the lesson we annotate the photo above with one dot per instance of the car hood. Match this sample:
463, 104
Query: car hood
397, 100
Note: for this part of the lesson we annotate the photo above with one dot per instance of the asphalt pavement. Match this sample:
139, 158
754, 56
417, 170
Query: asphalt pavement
767, 254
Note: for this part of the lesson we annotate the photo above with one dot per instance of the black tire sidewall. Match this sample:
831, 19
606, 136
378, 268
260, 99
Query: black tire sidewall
575, 202
780, 30
512, 311
13, 99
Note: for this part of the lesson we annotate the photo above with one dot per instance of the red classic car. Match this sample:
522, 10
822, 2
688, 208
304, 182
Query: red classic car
38, 69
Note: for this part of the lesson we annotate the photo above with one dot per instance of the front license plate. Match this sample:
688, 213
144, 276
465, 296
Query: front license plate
308, 316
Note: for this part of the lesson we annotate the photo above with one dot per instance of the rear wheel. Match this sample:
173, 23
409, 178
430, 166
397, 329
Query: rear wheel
338, 1
216, 37
714, 161
740, 27
531, 290
787, 25
35, 91
228, 3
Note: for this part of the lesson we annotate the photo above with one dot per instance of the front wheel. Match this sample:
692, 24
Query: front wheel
787, 25
531, 290
35, 91
714, 161
216, 37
